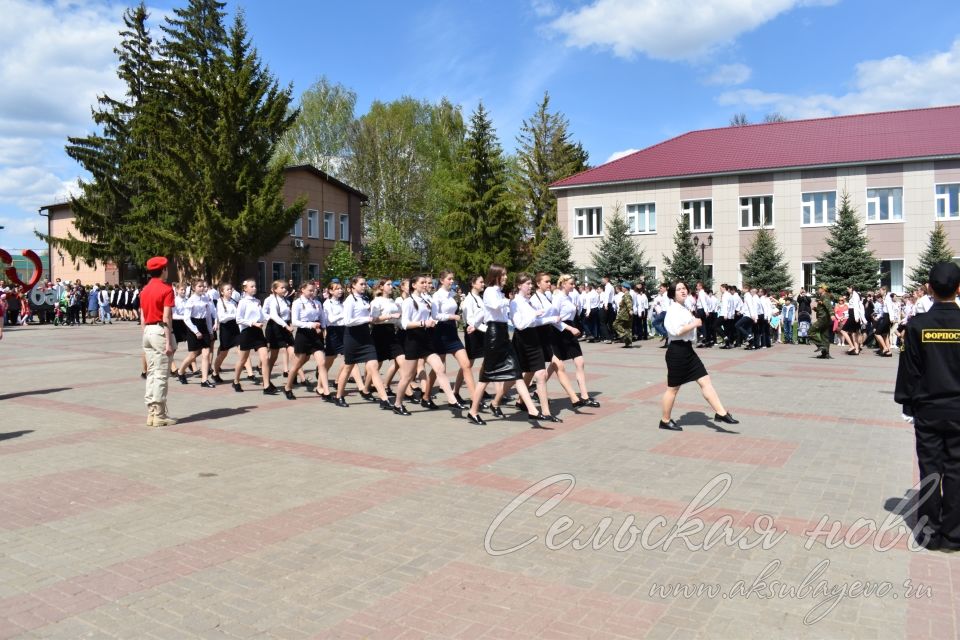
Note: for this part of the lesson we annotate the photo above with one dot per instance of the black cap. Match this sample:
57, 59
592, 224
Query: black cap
944, 279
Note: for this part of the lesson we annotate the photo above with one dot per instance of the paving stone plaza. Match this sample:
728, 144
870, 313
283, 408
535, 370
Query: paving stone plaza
258, 517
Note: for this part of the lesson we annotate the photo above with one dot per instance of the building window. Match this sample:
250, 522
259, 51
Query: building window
699, 214
297, 231
589, 221
740, 275
278, 268
885, 205
809, 275
313, 272
709, 272
819, 208
296, 273
891, 275
642, 218
313, 223
261, 277
948, 201
328, 226
756, 212
345, 227
650, 273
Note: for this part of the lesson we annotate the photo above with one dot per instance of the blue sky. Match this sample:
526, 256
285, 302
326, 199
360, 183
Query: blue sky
626, 73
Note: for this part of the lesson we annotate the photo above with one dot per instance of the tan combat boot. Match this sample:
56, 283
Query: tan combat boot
161, 419
151, 414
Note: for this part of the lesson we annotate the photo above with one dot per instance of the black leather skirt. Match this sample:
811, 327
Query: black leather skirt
500, 362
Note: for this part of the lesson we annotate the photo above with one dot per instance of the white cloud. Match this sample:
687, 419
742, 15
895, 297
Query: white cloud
616, 155
729, 74
667, 29
544, 8
897, 82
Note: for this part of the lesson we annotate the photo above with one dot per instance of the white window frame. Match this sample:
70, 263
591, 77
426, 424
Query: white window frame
945, 199
313, 271
812, 205
740, 266
813, 275
329, 230
283, 270
297, 279
297, 231
903, 274
876, 201
653, 276
749, 211
313, 223
598, 223
648, 211
344, 225
683, 210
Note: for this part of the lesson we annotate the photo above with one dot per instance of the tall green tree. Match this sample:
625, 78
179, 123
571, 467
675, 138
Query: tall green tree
107, 219
685, 263
485, 225
938, 250
848, 261
617, 255
765, 265
545, 154
320, 135
386, 253
553, 256
340, 263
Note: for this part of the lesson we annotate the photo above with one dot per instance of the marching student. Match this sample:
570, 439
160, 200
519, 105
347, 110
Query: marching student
528, 323
198, 317
179, 328
474, 318
358, 346
683, 364
591, 302
850, 331
229, 331
500, 362
306, 314
385, 330
279, 331
251, 319
445, 310
103, 299
417, 321
887, 319
566, 346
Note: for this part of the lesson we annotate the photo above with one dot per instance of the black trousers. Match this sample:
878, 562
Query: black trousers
938, 454
644, 329
605, 321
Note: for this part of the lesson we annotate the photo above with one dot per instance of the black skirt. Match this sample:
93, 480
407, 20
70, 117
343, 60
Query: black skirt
851, 325
277, 336
683, 364
417, 343
180, 331
334, 344
529, 352
499, 358
445, 338
546, 341
358, 345
566, 346
386, 341
229, 335
473, 343
252, 339
307, 342
203, 342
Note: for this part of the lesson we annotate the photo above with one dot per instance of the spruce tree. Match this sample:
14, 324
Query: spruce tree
340, 263
765, 265
485, 226
616, 254
848, 261
545, 154
938, 250
685, 263
553, 254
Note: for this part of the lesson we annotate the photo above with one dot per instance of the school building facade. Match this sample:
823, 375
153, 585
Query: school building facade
900, 169
332, 214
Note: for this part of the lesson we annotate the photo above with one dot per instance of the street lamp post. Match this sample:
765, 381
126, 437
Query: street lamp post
698, 242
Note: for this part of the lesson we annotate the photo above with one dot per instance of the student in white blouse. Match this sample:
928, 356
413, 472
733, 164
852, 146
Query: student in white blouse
229, 331
475, 325
199, 317
386, 330
567, 347
250, 319
306, 314
683, 364
358, 346
446, 311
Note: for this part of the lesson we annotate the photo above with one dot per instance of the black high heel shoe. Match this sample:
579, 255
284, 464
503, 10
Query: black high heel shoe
216, 378
270, 391
457, 406
550, 418
182, 377
401, 410
729, 419
385, 405
237, 387
208, 384
495, 410
429, 404
670, 426
477, 420
289, 394
538, 417
341, 402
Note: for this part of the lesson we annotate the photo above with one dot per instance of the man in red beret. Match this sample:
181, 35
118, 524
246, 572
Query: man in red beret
156, 306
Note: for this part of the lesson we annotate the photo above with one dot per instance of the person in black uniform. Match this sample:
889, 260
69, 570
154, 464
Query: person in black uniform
928, 387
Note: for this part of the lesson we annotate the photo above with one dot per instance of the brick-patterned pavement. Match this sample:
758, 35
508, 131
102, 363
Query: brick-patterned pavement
257, 517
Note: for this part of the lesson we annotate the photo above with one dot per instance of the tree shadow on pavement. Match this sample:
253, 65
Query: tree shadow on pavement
215, 414
35, 392
14, 434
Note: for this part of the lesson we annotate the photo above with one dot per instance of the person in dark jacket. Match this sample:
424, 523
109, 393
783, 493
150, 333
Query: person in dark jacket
928, 387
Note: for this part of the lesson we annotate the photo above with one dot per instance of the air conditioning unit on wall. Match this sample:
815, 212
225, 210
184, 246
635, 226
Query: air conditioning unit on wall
298, 244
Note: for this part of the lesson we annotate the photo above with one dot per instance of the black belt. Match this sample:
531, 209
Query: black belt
159, 324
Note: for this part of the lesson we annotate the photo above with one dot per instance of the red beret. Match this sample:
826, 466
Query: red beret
158, 262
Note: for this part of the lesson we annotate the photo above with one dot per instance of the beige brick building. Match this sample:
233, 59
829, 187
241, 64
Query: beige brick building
900, 169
